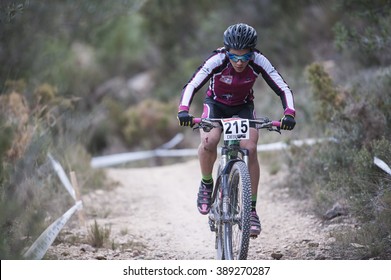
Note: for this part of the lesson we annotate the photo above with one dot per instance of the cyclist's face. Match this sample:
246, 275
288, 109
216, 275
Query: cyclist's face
239, 66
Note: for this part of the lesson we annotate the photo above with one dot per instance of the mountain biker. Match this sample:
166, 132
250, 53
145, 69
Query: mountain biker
232, 71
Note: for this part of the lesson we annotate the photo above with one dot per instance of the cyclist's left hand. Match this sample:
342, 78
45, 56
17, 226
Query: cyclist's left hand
288, 122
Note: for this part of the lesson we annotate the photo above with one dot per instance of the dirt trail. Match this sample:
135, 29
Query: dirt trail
152, 215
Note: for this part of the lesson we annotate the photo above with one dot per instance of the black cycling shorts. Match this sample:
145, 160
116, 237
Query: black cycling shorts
214, 109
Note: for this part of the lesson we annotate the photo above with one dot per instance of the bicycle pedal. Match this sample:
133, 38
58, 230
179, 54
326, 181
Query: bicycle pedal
253, 236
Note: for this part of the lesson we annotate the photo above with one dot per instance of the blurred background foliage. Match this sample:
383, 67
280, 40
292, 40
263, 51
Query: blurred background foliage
86, 78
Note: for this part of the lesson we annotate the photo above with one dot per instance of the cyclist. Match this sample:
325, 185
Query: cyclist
232, 71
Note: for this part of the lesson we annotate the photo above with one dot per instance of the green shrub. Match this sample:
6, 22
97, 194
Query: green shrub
364, 30
343, 171
330, 100
151, 120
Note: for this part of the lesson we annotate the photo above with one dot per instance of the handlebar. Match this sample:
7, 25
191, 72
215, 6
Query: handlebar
207, 124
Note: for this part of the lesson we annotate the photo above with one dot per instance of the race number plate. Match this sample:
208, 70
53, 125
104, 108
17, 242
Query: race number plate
236, 129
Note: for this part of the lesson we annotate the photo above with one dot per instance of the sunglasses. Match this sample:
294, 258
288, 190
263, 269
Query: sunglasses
243, 58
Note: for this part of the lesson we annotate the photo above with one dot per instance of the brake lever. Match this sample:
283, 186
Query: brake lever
206, 127
275, 129
196, 127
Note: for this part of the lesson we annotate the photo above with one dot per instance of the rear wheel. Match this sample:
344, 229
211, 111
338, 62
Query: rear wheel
236, 231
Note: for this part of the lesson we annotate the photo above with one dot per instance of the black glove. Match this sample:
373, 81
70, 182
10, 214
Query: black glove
288, 122
185, 119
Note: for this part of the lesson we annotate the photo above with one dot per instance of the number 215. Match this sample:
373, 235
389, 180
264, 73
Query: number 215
235, 125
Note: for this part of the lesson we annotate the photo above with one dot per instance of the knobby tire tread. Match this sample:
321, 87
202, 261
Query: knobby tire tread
239, 169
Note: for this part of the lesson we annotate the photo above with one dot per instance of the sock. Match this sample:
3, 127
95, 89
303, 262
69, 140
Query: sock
253, 202
207, 179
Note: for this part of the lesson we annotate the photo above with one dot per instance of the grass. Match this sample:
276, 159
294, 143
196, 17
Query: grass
98, 236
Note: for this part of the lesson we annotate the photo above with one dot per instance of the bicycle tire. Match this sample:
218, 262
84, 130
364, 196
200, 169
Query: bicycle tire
236, 233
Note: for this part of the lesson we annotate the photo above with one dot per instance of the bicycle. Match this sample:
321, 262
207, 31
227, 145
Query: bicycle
229, 216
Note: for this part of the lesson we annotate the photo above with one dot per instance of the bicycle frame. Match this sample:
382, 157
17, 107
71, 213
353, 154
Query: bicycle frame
223, 215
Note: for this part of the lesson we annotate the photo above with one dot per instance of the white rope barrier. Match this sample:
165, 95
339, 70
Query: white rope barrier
111, 160
62, 176
39, 248
381, 164
42, 244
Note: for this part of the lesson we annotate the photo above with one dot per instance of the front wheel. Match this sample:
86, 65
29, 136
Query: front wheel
237, 230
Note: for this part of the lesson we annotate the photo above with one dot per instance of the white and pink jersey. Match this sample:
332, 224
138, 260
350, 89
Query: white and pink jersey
233, 88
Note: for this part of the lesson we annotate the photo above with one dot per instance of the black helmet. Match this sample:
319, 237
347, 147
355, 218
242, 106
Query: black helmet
240, 36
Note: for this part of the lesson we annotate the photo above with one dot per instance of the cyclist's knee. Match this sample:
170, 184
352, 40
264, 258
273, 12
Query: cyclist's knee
209, 142
250, 146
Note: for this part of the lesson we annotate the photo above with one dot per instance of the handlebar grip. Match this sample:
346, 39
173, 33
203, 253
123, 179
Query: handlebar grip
196, 120
276, 123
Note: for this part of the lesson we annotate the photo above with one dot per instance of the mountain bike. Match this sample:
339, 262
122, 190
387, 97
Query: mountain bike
229, 216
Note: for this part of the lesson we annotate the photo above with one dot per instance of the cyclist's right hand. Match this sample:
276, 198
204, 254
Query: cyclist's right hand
185, 119
288, 122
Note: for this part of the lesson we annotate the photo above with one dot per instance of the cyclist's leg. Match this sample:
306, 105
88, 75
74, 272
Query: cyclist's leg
207, 150
247, 111
253, 166
207, 154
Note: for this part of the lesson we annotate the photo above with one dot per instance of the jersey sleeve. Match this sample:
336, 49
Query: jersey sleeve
199, 78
